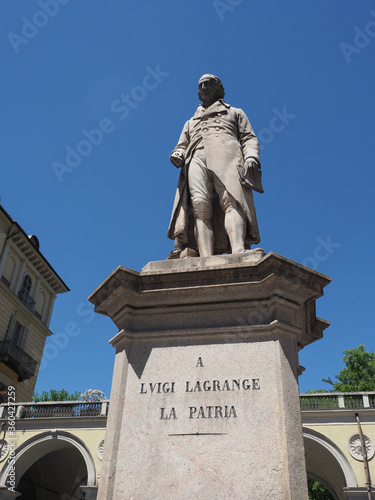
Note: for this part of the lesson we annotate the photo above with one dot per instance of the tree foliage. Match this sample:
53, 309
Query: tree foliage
317, 491
358, 374
322, 391
92, 395
53, 395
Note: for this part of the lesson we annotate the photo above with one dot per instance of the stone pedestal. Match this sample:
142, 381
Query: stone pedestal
205, 400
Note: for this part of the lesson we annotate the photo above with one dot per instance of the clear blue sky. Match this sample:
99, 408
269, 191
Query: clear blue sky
64, 71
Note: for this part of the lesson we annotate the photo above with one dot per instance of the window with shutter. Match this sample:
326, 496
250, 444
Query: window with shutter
16, 332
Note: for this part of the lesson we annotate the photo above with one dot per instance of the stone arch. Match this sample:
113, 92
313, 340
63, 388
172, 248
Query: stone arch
36, 448
326, 463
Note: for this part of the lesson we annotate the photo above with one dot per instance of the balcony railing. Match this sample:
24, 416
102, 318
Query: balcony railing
337, 400
56, 409
27, 300
16, 358
95, 409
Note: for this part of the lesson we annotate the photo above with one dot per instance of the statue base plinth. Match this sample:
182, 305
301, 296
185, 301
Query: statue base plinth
205, 400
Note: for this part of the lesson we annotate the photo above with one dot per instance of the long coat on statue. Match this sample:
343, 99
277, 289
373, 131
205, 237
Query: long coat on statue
228, 139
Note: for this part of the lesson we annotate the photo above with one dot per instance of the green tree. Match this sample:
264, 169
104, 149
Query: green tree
359, 371
53, 395
317, 491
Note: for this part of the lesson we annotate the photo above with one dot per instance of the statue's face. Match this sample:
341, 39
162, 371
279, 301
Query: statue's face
207, 90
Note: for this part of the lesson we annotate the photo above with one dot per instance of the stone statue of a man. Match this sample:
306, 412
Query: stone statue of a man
219, 154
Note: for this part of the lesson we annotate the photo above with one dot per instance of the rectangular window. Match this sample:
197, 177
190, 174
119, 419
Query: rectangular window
16, 332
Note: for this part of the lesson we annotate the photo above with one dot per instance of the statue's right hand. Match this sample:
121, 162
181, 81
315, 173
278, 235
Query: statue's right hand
177, 159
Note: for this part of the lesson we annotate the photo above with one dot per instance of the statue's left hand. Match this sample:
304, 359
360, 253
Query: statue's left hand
250, 162
251, 174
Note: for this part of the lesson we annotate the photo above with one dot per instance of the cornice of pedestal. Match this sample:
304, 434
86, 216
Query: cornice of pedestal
223, 335
223, 297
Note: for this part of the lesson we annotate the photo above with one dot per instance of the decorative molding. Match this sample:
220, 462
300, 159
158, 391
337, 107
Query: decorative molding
99, 449
4, 449
355, 448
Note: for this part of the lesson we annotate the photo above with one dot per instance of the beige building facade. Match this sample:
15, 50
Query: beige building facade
57, 448
54, 452
339, 439
28, 288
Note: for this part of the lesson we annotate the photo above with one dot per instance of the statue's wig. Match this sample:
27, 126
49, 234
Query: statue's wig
219, 86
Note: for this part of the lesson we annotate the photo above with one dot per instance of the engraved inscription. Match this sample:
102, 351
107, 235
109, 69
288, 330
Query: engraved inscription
157, 387
166, 414
212, 412
227, 385
199, 412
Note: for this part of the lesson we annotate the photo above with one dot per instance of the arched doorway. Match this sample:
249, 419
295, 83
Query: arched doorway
326, 463
50, 466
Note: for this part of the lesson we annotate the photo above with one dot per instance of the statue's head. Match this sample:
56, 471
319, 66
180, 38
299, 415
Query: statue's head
210, 89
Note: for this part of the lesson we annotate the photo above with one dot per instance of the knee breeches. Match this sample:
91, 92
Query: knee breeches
203, 186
